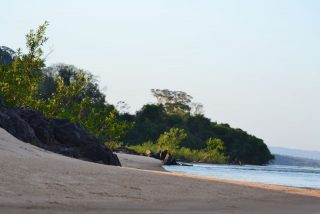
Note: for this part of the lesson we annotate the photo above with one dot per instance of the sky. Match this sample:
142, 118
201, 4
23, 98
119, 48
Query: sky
252, 64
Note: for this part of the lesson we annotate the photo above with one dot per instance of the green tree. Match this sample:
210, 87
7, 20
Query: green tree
173, 101
19, 81
115, 128
64, 101
215, 150
172, 139
215, 144
69, 74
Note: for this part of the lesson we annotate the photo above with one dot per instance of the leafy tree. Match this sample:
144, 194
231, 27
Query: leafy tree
215, 144
59, 91
115, 129
34, 43
215, 150
172, 139
69, 74
63, 102
19, 81
78, 100
173, 101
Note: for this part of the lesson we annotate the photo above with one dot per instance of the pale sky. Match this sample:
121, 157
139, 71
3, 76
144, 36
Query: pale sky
253, 64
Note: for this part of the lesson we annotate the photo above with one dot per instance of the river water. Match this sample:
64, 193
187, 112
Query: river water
271, 174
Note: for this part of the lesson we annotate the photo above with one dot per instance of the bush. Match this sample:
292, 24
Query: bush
113, 145
171, 139
147, 146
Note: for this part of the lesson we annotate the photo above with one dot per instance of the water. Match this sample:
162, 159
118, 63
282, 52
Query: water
271, 174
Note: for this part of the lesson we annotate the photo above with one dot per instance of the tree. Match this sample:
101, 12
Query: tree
173, 101
34, 43
64, 102
215, 150
115, 129
19, 80
69, 74
215, 145
171, 139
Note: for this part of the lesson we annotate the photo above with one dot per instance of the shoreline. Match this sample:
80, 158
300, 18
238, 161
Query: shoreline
35, 181
153, 165
287, 189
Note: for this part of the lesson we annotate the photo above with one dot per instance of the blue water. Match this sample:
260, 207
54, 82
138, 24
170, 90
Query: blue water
271, 174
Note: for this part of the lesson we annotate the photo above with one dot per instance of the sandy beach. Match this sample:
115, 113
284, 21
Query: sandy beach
36, 181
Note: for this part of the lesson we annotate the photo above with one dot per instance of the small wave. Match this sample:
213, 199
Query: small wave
271, 174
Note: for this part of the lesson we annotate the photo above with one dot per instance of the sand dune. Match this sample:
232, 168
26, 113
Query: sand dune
36, 181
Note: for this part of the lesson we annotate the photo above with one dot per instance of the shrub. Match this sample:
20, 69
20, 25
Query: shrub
171, 139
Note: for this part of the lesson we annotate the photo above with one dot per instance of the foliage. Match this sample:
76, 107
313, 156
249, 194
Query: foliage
59, 91
115, 129
175, 102
197, 108
153, 120
19, 80
62, 103
34, 43
183, 153
113, 145
216, 150
69, 74
172, 139
146, 146
215, 145
202, 156
73, 99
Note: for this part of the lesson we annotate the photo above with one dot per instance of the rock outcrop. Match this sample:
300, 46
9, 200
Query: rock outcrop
56, 135
167, 159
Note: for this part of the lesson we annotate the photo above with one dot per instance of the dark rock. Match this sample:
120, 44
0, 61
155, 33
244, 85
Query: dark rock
15, 125
167, 159
1, 102
56, 135
163, 154
39, 124
70, 134
156, 155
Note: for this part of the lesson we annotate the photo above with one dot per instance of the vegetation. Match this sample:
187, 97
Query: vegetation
238, 146
172, 139
183, 153
59, 91
175, 123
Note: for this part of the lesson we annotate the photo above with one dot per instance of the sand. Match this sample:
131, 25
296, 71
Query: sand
36, 181
140, 162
